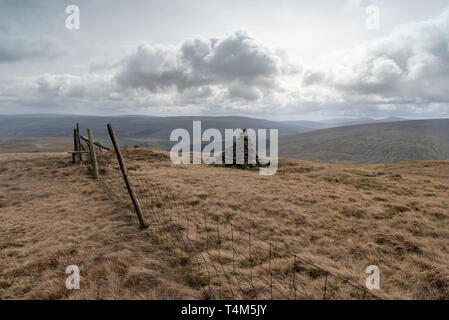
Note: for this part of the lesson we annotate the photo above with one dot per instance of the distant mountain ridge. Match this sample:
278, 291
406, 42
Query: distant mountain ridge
332, 123
378, 141
387, 142
139, 127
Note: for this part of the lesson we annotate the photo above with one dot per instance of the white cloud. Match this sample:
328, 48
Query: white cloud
236, 64
403, 74
412, 64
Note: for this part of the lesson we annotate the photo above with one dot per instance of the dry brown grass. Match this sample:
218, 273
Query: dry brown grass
341, 217
35, 145
52, 215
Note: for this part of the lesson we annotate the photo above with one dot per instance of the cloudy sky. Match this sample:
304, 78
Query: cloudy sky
302, 59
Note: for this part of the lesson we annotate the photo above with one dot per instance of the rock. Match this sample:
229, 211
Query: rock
383, 173
394, 175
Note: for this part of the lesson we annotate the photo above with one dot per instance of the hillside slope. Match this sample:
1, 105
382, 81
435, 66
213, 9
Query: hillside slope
36, 145
341, 217
372, 143
332, 123
156, 128
53, 215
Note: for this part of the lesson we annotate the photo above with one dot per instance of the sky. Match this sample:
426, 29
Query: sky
278, 60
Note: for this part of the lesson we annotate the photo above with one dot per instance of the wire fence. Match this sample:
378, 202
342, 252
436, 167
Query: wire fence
232, 262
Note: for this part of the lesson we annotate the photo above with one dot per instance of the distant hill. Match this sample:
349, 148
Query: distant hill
350, 121
411, 140
306, 125
137, 127
332, 123
377, 141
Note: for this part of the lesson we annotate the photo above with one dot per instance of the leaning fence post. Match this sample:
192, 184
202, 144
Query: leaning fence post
132, 195
75, 146
78, 140
93, 156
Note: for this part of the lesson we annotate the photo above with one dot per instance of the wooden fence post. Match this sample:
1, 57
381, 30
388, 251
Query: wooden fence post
79, 141
98, 144
75, 146
93, 156
132, 195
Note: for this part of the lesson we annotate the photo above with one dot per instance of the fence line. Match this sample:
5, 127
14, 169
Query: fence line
232, 262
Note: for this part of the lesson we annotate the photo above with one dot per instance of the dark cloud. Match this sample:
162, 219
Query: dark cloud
236, 64
18, 49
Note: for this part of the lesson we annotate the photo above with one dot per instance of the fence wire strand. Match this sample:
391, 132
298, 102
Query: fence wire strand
178, 226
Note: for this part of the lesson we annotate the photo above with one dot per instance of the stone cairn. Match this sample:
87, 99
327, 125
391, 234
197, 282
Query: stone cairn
247, 144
